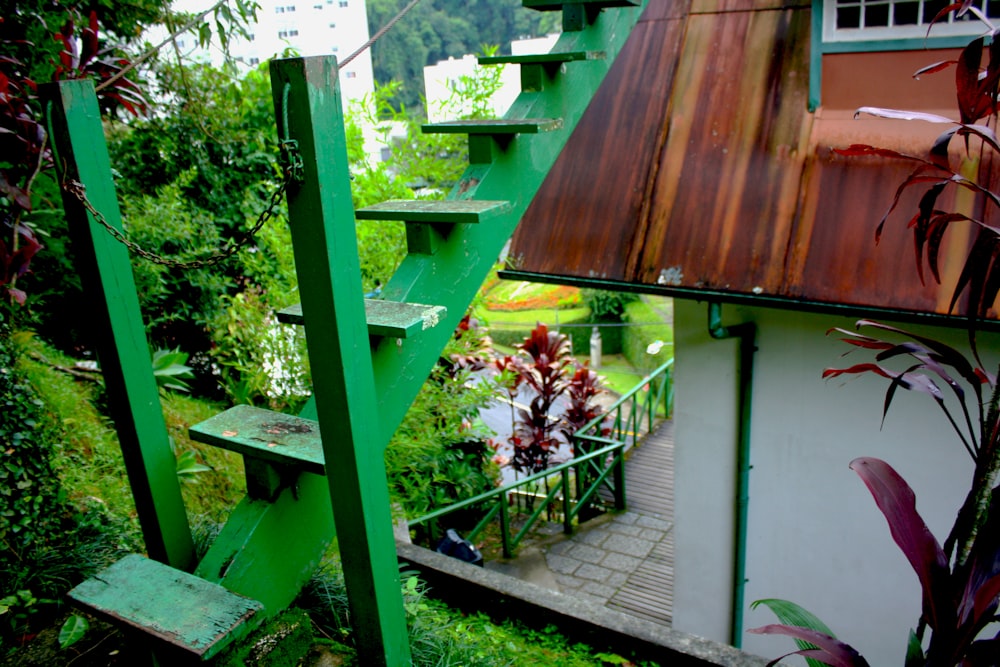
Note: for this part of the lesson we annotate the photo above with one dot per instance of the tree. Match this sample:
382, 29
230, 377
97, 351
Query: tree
437, 29
51, 41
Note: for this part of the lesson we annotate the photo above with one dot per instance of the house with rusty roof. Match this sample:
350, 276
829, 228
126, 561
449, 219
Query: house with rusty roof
704, 169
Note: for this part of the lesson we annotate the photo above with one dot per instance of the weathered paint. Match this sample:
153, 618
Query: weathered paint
266, 435
186, 614
464, 212
699, 167
385, 318
116, 328
269, 549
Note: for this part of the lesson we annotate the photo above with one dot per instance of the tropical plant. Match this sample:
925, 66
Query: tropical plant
960, 581
535, 431
42, 41
439, 454
547, 372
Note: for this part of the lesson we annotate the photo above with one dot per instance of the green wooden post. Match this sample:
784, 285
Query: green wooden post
116, 326
308, 106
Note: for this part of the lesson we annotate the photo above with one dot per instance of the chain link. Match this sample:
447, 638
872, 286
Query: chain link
78, 191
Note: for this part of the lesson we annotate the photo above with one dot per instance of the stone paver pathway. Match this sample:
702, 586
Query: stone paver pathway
623, 561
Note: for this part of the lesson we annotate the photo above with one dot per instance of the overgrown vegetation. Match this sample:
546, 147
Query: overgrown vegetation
440, 635
191, 178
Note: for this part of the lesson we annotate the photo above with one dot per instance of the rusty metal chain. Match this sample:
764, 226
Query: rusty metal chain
78, 190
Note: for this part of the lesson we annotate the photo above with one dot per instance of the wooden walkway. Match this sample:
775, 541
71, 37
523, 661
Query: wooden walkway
649, 492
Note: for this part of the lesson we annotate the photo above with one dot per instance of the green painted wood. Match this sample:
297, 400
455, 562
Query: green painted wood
268, 550
265, 435
553, 5
494, 127
384, 318
324, 240
543, 58
116, 329
187, 614
452, 211
452, 275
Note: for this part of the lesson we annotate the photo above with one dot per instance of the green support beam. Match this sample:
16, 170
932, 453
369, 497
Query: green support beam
309, 112
454, 272
116, 328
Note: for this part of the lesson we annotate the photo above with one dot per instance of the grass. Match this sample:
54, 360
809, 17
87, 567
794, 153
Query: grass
529, 318
88, 459
440, 635
89, 463
618, 375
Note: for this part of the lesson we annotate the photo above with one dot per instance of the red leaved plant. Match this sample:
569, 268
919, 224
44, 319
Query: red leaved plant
960, 581
25, 145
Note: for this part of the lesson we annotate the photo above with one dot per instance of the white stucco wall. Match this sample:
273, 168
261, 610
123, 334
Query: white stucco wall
815, 534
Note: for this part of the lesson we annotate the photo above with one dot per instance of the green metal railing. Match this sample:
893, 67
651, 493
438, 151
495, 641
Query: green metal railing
571, 486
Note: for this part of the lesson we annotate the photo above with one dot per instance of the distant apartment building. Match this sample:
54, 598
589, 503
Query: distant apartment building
442, 79
307, 27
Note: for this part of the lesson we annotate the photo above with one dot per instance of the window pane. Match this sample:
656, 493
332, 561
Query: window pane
905, 13
848, 17
876, 15
931, 9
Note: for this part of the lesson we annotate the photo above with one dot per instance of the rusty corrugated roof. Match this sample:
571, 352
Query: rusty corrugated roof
698, 166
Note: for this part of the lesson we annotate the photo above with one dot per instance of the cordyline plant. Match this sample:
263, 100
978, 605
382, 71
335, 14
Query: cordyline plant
548, 369
960, 581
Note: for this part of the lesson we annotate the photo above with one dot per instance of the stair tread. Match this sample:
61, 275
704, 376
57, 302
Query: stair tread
543, 58
392, 319
188, 613
467, 211
266, 435
494, 126
551, 5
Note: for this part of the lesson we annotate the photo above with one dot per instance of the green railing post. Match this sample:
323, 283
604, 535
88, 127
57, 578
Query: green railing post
567, 517
310, 122
505, 526
117, 331
619, 476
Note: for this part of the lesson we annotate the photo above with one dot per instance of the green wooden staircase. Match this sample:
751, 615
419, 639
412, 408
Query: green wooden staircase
369, 358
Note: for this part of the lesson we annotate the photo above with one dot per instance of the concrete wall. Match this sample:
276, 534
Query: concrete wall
815, 535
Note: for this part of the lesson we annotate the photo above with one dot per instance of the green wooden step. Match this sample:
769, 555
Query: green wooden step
391, 319
265, 435
552, 5
187, 617
454, 211
494, 127
543, 58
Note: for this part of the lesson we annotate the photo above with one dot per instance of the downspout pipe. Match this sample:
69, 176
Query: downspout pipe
746, 332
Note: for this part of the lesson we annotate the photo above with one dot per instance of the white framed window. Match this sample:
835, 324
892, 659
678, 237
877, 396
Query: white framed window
350, 75
255, 61
873, 20
289, 8
279, 10
342, 3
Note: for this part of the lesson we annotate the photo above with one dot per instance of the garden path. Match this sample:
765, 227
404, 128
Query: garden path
622, 561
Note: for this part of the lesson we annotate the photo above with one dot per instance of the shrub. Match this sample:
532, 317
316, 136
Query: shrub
31, 501
637, 339
439, 454
607, 306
